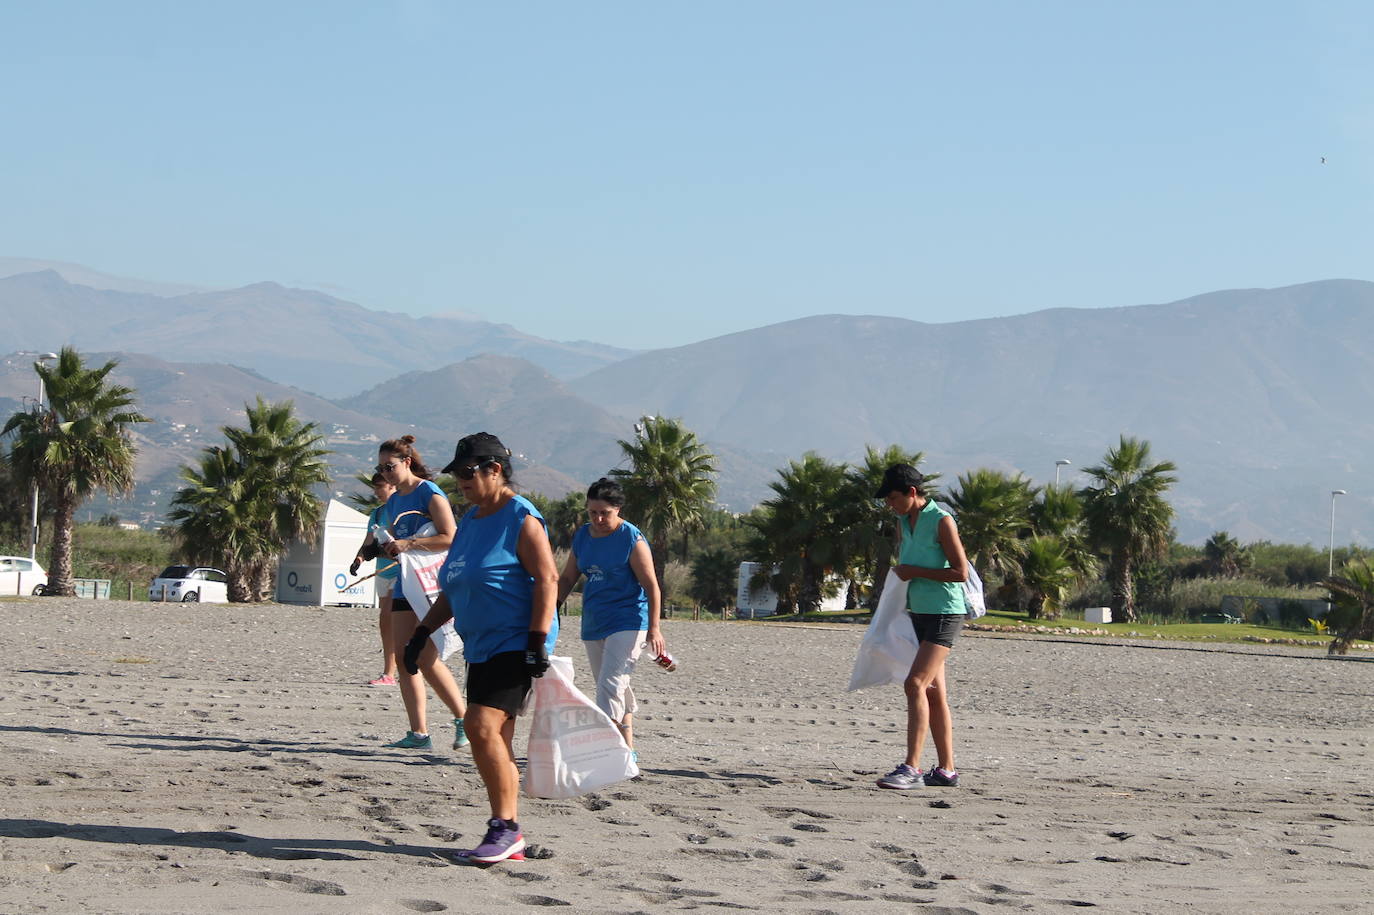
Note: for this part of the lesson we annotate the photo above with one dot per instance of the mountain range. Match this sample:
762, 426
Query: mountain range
1258, 395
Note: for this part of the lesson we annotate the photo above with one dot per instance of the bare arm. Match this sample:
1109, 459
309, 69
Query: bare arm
642, 564
438, 614
537, 557
441, 514
568, 580
948, 535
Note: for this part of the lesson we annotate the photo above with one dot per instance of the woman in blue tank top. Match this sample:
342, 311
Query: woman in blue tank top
499, 582
416, 502
620, 601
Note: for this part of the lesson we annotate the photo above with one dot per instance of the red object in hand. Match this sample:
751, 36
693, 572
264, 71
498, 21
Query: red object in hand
666, 661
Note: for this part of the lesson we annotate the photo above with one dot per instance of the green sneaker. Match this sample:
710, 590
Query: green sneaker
460, 736
413, 741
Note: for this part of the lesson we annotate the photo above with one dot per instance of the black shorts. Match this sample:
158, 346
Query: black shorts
501, 682
939, 628
400, 605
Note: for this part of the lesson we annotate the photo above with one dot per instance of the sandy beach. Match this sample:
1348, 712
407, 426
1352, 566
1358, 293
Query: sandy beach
201, 758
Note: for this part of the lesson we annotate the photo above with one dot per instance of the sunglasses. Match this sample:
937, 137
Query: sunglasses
470, 471
390, 465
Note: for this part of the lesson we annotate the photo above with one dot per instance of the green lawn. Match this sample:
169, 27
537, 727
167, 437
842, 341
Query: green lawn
1178, 632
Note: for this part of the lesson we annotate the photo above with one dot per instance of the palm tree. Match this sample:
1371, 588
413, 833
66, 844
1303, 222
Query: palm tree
1047, 574
1127, 515
1351, 616
78, 443
873, 536
715, 580
248, 502
803, 530
994, 512
214, 522
1224, 556
1058, 512
670, 482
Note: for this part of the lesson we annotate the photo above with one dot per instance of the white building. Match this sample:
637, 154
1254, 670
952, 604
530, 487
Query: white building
319, 576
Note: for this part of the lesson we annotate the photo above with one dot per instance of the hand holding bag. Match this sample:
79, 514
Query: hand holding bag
574, 747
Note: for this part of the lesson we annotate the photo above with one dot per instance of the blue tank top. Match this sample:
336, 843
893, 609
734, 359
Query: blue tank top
405, 520
489, 591
612, 598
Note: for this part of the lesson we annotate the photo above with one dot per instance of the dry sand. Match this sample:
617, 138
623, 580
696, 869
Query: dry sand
228, 759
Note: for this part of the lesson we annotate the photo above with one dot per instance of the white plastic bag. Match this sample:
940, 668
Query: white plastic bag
574, 747
420, 583
974, 604
889, 645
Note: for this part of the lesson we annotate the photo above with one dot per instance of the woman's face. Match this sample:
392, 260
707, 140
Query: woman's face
901, 503
383, 491
392, 467
604, 516
485, 483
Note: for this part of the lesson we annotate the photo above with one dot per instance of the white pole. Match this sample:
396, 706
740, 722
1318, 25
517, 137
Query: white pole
33, 515
1057, 464
1331, 544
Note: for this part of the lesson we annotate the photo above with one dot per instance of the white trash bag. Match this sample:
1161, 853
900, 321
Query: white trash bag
889, 645
574, 747
419, 576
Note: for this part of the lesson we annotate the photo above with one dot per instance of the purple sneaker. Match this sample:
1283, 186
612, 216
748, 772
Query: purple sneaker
502, 841
903, 778
942, 778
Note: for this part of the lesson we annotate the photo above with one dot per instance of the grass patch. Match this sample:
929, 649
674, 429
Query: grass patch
1178, 632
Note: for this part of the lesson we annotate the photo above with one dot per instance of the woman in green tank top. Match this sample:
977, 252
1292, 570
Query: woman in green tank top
933, 564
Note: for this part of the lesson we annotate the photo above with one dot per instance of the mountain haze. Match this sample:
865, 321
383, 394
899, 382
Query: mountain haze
1260, 396
299, 337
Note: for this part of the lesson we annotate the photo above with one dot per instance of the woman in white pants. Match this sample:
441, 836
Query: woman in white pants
620, 601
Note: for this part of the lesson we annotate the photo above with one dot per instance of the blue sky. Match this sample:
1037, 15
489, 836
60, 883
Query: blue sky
651, 174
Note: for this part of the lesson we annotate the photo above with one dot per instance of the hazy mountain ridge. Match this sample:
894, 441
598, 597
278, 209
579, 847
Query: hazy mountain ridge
1248, 391
300, 337
1259, 395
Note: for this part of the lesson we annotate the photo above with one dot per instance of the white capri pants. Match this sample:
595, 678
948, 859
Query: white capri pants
612, 661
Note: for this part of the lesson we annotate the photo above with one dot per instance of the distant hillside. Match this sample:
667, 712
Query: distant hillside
299, 337
189, 403
1260, 396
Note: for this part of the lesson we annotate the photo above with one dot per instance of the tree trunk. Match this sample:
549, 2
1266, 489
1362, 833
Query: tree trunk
60, 580
658, 545
1123, 587
239, 589
262, 581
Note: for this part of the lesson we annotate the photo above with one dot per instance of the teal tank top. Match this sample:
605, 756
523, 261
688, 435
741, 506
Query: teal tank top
921, 547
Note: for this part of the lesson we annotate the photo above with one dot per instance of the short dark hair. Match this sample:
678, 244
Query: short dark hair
900, 478
608, 491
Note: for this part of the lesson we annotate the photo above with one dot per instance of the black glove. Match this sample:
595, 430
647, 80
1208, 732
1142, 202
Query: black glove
413, 649
353, 569
370, 551
536, 655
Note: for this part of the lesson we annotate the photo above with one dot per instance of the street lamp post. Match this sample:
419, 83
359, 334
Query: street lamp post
1062, 462
33, 515
1331, 544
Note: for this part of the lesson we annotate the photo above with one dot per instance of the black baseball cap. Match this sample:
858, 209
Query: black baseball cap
900, 478
480, 446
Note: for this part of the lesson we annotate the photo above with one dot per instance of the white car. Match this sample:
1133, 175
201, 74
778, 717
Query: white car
190, 584
21, 575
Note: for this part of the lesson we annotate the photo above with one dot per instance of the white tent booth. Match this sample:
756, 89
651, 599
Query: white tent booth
318, 575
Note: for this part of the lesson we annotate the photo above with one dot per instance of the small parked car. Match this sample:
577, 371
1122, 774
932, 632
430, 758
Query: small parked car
190, 584
21, 575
